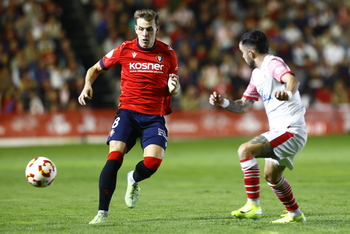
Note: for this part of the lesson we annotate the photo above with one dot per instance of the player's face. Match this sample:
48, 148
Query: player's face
146, 32
247, 56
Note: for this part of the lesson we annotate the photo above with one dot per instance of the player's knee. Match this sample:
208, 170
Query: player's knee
244, 151
117, 146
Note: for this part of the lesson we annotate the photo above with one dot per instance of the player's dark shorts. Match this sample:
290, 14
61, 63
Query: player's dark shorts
130, 125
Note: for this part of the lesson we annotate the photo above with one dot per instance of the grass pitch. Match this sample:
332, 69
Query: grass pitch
199, 183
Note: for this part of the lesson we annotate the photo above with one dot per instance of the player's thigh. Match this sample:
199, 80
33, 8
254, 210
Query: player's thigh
117, 146
123, 130
258, 147
154, 132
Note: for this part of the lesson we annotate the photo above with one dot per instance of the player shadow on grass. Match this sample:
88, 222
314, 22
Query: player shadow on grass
263, 219
266, 218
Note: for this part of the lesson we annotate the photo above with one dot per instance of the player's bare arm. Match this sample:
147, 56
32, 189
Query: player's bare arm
174, 84
238, 106
90, 77
292, 85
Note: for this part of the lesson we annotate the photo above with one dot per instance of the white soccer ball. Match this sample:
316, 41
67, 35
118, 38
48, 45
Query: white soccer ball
41, 172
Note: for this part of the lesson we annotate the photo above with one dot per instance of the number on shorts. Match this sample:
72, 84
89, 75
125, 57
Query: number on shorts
116, 122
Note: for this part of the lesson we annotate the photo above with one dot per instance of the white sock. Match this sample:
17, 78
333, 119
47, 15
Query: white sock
131, 177
295, 213
105, 212
254, 201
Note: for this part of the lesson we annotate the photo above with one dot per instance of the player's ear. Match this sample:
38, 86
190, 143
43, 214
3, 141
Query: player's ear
252, 53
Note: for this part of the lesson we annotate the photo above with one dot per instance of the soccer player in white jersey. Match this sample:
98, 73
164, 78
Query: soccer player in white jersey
276, 85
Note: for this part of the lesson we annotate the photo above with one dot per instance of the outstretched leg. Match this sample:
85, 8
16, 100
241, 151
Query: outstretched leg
107, 185
108, 179
143, 170
283, 190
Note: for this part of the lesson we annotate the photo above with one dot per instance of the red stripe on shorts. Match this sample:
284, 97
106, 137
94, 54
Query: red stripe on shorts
281, 139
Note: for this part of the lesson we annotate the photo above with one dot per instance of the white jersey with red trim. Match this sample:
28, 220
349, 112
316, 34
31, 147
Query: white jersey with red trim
264, 83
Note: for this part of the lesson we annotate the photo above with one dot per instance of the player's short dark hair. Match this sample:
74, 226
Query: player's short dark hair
257, 40
147, 14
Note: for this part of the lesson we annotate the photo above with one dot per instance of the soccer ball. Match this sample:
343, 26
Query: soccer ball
41, 172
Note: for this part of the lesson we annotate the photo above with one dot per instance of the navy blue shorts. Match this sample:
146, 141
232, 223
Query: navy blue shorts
130, 125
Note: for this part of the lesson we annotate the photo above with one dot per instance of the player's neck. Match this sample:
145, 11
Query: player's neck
259, 60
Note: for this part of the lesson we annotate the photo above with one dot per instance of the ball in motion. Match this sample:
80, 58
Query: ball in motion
41, 172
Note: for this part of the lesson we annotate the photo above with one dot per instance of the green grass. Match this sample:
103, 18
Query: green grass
194, 191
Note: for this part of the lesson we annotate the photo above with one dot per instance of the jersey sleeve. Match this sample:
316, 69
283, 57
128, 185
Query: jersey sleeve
251, 92
111, 58
277, 69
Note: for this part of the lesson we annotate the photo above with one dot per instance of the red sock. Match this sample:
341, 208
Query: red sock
152, 162
251, 172
284, 192
108, 179
147, 167
116, 155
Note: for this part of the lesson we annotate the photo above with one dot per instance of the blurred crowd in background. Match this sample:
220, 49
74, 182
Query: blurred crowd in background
40, 72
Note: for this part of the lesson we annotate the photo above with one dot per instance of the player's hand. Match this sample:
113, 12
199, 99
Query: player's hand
282, 95
216, 99
173, 84
87, 93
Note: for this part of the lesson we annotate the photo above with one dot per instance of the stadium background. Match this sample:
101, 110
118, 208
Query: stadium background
47, 46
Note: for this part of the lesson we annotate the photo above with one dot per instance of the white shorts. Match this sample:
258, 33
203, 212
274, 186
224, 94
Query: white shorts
286, 144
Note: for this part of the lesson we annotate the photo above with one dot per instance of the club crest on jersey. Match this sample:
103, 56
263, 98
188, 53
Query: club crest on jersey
111, 133
159, 58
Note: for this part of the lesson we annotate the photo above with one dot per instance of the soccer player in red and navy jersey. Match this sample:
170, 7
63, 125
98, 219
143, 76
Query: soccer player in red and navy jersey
148, 81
